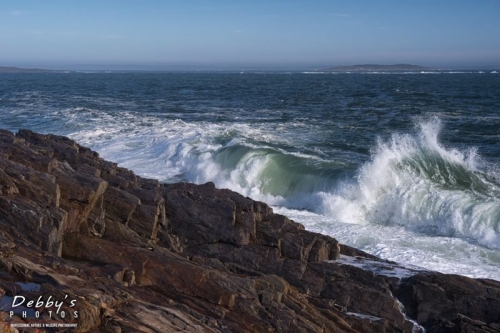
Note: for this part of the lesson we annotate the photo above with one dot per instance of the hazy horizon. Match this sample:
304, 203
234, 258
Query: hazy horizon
223, 35
222, 67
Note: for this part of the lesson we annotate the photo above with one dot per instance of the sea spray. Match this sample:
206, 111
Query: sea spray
415, 182
412, 180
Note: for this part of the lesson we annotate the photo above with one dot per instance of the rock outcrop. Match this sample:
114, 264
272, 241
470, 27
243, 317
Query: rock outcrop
126, 254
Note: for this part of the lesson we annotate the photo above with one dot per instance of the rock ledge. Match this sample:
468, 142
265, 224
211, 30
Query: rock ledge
139, 256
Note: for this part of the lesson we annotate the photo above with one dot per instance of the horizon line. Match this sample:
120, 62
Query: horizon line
227, 67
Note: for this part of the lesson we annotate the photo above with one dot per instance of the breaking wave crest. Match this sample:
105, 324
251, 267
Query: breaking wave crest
411, 180
415, 182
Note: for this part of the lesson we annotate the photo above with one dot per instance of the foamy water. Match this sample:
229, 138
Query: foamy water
414, 201
412, 189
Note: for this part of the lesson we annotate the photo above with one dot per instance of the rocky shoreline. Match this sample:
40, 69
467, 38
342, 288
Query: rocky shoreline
121, 253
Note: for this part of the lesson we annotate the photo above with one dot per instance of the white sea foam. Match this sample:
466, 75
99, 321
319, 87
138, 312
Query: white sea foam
413, 181
416, 201
411, 249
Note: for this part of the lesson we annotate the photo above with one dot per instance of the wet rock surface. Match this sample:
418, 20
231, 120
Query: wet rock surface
140, 256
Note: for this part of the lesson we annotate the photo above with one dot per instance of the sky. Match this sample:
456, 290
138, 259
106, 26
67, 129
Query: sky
222, 34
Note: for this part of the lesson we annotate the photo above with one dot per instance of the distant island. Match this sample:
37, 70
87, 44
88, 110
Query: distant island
378, 68
4, 69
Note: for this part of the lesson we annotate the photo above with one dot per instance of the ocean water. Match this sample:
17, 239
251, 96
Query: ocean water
405, 166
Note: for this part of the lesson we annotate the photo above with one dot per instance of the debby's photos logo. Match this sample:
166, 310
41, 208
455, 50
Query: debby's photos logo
51, 306
39, 311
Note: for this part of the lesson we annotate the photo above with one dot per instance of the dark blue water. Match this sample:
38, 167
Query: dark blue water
405, 166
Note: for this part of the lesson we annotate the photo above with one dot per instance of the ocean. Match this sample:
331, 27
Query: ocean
405, 166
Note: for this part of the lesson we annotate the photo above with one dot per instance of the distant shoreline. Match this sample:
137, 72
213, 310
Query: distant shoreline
380, 68
4, 69
366, 68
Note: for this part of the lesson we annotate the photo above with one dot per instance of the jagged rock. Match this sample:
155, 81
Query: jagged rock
120, 205
140, 256
459, 303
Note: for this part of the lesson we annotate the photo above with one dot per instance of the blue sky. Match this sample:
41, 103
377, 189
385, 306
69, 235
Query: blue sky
248, 34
